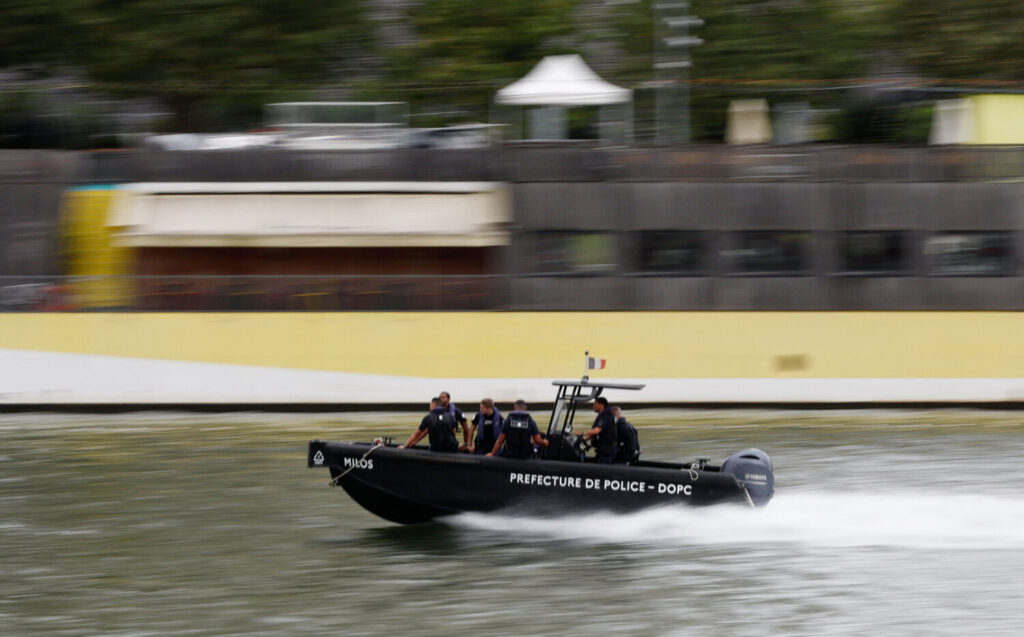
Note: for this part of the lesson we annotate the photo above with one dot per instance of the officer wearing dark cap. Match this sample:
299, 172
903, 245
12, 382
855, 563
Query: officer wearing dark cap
603, 432
626, 440
439, 424
519, 434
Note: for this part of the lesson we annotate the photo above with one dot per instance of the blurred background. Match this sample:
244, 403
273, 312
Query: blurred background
526, 157
817, 114
90, 74
257, 206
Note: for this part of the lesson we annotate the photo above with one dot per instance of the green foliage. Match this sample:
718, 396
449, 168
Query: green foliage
879, 122
583, 122
755, 39
466, 49
23, 125
777, 39
632, 24
750, 48
866, 121
190, 53
215, 62
959, 40
42, 32
916, 124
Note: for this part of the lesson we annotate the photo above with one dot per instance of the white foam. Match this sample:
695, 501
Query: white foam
909, 519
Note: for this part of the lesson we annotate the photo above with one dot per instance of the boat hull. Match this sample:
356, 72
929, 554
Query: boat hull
410, 486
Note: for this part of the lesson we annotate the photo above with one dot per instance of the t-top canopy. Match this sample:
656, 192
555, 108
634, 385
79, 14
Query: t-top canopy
598, 384
562, 80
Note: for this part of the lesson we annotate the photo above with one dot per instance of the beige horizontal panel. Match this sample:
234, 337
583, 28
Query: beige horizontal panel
294, 187
312, 219
314, 241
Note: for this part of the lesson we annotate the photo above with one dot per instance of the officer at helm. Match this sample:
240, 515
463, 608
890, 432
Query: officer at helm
603, 432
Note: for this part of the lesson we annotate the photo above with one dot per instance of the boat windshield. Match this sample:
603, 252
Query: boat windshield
558, 415
570, 395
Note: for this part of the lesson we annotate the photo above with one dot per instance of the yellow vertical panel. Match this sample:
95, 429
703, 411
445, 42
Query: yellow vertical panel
999, 119
90, 250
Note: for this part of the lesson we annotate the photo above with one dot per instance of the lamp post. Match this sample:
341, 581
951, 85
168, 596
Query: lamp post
672, 42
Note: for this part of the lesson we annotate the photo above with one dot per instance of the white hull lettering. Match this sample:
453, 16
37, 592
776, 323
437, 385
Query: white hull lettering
541, 480
359, 463
632, 486
675, 489
596, 484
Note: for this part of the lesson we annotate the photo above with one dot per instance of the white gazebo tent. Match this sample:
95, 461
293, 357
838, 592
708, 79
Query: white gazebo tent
559, 82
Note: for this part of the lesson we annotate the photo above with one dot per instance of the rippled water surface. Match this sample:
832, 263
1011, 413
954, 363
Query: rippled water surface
884, 522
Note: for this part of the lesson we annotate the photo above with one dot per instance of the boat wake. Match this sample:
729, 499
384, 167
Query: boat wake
811, 519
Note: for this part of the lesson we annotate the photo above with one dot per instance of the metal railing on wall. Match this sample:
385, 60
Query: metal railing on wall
880, 291
249, 293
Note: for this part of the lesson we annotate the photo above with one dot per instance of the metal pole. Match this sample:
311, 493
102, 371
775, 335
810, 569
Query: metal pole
672, 97
656, 73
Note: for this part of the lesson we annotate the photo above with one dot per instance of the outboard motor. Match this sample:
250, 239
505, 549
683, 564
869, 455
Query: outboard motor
753, 469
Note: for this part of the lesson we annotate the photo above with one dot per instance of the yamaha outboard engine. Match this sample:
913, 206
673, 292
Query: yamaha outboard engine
753, 469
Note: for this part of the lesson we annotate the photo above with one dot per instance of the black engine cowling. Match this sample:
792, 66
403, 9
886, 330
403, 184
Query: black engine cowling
753, 469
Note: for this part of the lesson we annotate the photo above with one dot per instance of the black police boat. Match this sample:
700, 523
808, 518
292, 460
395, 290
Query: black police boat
414, 485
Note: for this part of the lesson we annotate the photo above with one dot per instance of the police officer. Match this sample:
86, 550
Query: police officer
456, 414
626, 440
485, 427
518, 435
439, 425
603, 431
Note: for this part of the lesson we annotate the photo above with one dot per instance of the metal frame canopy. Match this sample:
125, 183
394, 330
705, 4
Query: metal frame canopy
559, 82
570, 394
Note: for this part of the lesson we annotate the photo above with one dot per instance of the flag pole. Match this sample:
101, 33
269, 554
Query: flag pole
586, 365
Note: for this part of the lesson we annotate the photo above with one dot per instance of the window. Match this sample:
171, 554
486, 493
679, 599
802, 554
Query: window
572, 253
758, 252
672, 252
967, 253
873, 252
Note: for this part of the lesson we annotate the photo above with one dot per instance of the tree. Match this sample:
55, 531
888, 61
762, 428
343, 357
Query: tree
751, 46
35, 32
465, 49
190, 53
960, 40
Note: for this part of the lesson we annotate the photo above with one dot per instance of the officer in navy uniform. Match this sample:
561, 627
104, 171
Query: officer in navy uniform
439, 425
604, 431
485, 427
519, 433
626, 440
456, 414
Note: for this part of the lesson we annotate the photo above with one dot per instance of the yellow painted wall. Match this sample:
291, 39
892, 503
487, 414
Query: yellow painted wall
551, 344
998, 119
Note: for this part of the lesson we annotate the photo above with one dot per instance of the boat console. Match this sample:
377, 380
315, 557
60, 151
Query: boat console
562, 443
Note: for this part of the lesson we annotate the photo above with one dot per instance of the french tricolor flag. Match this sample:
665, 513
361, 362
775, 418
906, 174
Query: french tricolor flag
595, 363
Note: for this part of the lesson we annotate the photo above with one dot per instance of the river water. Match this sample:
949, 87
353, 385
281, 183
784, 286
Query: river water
884, 522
